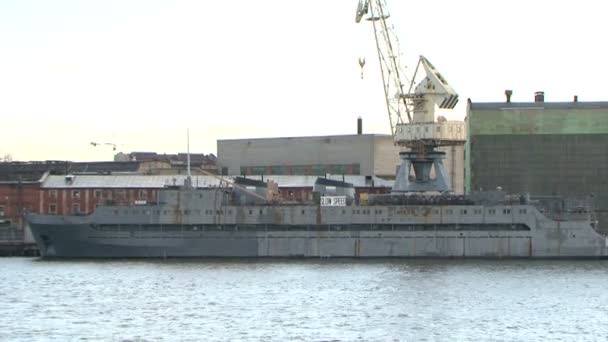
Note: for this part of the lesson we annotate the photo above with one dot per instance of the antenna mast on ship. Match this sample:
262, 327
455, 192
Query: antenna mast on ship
189, 178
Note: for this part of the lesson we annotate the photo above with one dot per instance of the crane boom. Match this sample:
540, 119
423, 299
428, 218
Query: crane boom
417, 103
421, 133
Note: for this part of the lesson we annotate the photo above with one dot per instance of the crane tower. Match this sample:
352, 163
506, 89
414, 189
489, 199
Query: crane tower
411, 108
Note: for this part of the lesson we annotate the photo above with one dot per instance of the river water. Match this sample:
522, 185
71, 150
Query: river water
303, 300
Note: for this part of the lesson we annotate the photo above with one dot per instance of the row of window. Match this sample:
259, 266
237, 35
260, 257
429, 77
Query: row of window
319, 227
173, 212
76, 209
426, 129
99, 194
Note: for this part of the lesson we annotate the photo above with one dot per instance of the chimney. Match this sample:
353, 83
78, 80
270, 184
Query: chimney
508, 93
539, 96
359, 126
575, 98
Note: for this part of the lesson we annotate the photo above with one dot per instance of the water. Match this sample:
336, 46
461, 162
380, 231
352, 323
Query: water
319, 300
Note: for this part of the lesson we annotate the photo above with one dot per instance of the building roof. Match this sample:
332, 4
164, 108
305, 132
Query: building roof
306, 137
160, 181
539, 105
195, 158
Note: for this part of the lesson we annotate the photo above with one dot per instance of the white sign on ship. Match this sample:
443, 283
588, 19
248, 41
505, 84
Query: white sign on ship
333, 201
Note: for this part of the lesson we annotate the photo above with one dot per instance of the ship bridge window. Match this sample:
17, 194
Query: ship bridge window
491, 211
463, 211
449, 211
261, 211
477, 211
506, 211
186, 212
251, 212
303, 211
522, 211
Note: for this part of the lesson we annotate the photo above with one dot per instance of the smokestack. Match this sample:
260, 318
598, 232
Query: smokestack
359, 126
508, 93
539, 96
575, 98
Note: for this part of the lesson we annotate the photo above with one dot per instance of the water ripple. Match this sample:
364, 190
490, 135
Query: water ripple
328, 300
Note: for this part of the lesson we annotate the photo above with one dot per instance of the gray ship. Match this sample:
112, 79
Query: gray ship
244, 220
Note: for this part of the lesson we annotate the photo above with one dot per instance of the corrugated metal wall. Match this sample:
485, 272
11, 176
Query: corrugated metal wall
543, 151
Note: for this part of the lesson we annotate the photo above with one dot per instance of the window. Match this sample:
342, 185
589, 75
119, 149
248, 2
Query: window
1, 210
463, 211
522, 211
76, 208
477, 211
491, 211
76, 194
506, 211
121, 194
52, 208
97, 194
449, 211
143, 194
53, 194
438, 129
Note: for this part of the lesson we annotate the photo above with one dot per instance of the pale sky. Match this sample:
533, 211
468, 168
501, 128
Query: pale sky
138, 73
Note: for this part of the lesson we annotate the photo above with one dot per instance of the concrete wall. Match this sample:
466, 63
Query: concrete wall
326, 150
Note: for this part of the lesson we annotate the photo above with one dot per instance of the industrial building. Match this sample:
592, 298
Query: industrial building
542, 148
360, 154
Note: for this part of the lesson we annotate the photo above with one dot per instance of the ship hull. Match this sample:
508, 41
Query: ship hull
199, 223
83, 240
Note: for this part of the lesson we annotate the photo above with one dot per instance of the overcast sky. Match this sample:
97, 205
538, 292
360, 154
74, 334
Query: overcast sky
138, 73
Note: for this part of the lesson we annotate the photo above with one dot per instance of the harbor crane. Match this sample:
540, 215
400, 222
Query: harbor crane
411, 108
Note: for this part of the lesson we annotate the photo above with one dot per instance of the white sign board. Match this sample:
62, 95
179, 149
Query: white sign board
333, 201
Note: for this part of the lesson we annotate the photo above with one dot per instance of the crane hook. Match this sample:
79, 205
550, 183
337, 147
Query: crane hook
361, 63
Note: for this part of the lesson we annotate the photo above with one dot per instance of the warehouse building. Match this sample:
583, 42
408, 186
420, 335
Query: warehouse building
361, 154
542, 148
